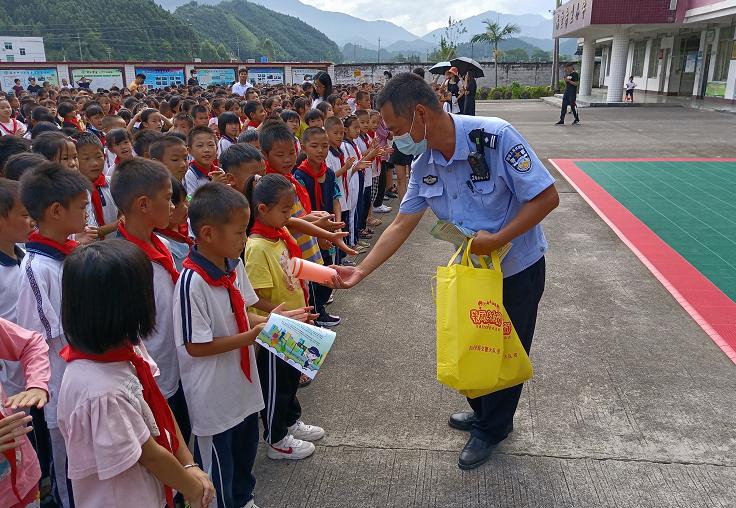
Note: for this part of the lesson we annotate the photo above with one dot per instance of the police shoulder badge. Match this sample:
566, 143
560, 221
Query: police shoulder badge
519, 159
429, 180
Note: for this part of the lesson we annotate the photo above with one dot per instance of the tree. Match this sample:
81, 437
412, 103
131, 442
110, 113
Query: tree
514, 55
267, 49
446, 51
494, 34
222, 53
208, 52
539, 55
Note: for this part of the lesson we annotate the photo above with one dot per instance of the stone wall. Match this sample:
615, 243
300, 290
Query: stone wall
532, 74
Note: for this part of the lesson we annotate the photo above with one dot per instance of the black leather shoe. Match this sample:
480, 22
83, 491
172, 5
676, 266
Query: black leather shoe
475, 453
463, 420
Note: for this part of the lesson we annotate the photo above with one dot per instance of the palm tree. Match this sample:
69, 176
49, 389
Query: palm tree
493, 35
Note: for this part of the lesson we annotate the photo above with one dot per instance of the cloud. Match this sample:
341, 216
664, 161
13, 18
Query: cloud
422, 16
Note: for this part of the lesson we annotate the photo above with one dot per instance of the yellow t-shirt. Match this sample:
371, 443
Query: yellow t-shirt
266, 267
302, 127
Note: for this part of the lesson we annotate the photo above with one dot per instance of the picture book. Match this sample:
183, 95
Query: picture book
302, 346
458, 235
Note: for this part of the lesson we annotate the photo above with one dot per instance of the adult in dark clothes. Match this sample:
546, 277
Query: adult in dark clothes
471, 88
572, 80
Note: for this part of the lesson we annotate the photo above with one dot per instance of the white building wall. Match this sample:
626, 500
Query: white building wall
731, 81
22, 49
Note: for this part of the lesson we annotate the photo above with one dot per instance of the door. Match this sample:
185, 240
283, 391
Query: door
688, 64
705, 72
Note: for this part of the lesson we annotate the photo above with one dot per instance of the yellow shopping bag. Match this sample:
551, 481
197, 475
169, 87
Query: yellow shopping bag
515, 365
469, 322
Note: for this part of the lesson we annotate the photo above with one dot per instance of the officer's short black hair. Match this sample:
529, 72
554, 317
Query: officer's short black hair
404, 91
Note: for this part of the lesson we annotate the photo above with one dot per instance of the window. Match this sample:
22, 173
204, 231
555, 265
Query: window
640, 49
654, 59
9, 58
8, 45
22, 51
723, 55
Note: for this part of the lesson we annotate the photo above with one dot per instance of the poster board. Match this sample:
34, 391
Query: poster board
299, 75
100, 78
7, 77
212, 76
266, 75
160, 77
716, 89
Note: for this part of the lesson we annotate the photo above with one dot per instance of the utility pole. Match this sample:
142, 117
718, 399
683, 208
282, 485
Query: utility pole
79, 40
237, 42
472, 52
556, 55
379, 50
109, 54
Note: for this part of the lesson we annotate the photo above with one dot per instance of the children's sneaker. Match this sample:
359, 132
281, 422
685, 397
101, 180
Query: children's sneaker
331, 298
382, 209
250, 504
290, 448
301, 430
327, 321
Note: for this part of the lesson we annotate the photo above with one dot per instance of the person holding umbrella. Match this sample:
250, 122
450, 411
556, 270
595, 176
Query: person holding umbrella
471, 88
452, 84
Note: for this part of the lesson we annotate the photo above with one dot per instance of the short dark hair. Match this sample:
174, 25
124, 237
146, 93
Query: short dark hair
135, 178
361, 112
237, 154
42, 114
19, 163
242, 70
11, 145
50, 183
332, 121
93, 110
117, 136
300, 103
178, 192
266, 190
225, 118
9, 196
198, 130
198, 109
96, 325
313, 114
248, 136
213, 204
419, 71
49, 144
277, 133
362, 94
311, 132
140, 75
41, 127
143, 139
251, 107
186, 117
158, 148
65, 108
88, 138
405, 91
290, 114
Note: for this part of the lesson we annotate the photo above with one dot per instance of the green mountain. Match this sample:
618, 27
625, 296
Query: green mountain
113, 29
248, 30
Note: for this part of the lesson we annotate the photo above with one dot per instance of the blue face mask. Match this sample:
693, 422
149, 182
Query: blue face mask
406, 144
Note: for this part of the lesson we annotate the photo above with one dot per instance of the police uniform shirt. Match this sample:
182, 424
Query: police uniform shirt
516, 177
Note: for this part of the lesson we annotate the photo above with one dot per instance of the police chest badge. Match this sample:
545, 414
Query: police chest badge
519, 159
429, 180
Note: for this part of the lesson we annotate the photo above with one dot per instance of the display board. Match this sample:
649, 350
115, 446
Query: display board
160, 77
299, 76
207, 77
266, 75
100, 78
8, 76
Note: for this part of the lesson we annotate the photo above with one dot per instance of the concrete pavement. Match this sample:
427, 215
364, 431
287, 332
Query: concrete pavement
631, 404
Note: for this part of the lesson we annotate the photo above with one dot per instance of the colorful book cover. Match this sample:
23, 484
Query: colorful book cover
302, 346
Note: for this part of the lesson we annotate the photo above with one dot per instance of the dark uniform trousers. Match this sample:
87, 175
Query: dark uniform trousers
521, 295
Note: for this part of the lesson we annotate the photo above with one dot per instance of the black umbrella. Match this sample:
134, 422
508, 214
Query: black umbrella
465, 64
440, 68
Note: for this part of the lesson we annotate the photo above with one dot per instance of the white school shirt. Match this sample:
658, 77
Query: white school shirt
333, 162
354, 179
193, 180
218, 394
109, 210
109, 161
39, 310
13, 128
223, 144
363, 147
12, 377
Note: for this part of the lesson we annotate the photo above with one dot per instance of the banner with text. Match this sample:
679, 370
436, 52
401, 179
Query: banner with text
299, 76
99, 78
159, 77
8, 77
266, 75
208, 77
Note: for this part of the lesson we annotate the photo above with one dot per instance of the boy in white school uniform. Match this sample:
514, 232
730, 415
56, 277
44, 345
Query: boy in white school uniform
214, 338
56, 198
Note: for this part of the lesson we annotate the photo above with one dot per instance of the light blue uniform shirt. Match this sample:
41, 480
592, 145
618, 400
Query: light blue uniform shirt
516, 177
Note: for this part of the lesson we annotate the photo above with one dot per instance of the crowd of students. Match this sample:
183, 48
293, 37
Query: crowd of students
130, 299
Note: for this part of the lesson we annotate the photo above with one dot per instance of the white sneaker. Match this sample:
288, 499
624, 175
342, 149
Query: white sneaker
250, 504
301, 430
290, 448
382, 209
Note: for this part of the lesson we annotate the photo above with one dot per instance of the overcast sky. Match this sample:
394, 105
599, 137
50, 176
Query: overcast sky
422, 16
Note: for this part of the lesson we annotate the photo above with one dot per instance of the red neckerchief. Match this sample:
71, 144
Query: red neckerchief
75, 123
177, 236
275, 234
301, 192
316, 175
199, 169
115, 108
65, 248
254, 124
11, 458
100, 135
97, 198
15, 127
158, 253
117, 160
338, 153
237, 303
151, 394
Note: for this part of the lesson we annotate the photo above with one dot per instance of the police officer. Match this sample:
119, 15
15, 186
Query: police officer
569, 96
503, 195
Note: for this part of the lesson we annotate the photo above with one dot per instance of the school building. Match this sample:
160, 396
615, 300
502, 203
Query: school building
158, 74
671, 47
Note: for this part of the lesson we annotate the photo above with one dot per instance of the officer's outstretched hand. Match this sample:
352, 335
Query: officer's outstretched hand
346, 276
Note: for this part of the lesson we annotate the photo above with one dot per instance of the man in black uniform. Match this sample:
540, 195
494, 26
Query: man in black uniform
572, 80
